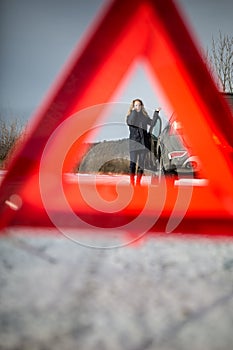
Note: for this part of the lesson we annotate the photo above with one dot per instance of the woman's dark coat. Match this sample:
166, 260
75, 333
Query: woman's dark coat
138, 123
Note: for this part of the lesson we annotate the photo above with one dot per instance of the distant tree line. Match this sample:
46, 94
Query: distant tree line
10, 135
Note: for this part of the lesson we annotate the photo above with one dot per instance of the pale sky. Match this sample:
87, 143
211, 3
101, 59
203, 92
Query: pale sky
38, 37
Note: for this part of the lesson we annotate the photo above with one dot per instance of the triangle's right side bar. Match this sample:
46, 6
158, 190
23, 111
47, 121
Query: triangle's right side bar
184, 77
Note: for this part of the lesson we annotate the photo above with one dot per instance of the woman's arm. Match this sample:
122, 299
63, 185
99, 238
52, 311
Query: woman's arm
132, 118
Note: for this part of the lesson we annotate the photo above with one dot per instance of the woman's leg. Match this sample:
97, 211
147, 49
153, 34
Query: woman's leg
141, 162
132, 165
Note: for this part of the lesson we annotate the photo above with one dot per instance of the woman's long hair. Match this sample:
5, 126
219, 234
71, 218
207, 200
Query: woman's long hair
132, 106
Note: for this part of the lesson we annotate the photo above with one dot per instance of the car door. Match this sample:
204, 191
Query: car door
169, 142
154, 132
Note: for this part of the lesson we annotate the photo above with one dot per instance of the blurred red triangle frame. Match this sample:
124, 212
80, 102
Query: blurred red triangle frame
154, 31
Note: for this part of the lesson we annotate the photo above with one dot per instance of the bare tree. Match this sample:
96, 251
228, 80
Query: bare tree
220, 61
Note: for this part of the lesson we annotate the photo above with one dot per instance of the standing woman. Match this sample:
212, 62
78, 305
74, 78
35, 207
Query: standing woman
137, 120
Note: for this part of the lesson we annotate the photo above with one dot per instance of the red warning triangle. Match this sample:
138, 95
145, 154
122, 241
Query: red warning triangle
154, 31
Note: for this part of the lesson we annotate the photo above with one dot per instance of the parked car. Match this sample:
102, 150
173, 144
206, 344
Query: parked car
174, 154
172, 149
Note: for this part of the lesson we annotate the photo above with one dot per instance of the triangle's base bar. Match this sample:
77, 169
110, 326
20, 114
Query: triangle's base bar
206, 217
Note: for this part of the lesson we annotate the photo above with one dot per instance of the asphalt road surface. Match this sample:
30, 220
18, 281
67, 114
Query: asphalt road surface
161, 293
